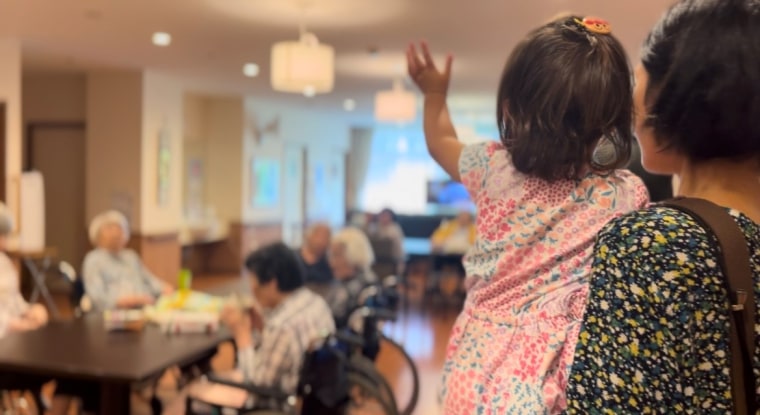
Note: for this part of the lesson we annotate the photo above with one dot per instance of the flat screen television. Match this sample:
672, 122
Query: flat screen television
448, 193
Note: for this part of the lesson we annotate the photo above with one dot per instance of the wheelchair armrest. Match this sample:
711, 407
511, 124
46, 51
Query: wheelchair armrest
384, 314
350, 338
260, 391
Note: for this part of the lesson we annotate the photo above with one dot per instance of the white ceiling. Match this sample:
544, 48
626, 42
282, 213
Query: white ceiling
212, 39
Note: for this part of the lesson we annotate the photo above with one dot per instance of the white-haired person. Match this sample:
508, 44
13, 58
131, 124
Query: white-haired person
351, 258
114, 276
15, 313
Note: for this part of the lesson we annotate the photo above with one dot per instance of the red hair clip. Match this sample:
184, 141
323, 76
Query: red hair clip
596, 25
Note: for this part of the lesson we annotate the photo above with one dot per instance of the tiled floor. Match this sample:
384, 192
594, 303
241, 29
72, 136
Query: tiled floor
423, 334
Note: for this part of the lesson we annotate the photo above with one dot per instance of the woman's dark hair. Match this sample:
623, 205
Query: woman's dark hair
565, 88
391, 213
277, 262
703, 95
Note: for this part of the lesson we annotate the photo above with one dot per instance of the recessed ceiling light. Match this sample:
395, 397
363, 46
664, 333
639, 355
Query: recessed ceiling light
93, 14
162, 39
309, 91
349, 105
251, 70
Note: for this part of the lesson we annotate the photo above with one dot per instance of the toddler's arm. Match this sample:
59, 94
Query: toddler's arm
440, 135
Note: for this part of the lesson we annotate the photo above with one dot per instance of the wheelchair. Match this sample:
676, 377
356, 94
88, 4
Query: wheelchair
331, 382
376, 304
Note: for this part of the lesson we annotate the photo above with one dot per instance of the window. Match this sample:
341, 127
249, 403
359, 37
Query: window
400, 167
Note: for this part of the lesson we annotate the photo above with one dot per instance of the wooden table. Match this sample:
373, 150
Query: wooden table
82, 351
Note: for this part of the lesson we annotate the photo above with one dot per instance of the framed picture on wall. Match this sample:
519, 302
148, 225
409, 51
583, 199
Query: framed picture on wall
265, 182
163, 171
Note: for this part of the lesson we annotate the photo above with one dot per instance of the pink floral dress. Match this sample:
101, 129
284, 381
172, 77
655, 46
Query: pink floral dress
511, 348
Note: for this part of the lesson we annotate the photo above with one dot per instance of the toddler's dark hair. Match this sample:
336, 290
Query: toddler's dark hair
565, 89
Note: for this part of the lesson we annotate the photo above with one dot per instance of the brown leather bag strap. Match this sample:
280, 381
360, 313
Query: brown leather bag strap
735, 263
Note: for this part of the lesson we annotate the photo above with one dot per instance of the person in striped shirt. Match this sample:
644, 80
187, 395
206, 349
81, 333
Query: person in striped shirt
274, 336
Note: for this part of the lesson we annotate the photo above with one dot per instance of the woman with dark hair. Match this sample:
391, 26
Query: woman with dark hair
655, 336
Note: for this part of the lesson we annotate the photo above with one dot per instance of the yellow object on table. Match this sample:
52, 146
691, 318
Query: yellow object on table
187, 312
190, 301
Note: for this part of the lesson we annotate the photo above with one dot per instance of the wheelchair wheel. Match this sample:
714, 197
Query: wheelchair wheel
408, 409
366, 396
366, 368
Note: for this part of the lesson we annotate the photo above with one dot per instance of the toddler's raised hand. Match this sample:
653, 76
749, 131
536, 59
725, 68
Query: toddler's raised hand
428, 78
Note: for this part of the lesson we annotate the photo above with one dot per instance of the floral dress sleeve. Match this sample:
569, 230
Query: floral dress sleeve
653, 336
473, 166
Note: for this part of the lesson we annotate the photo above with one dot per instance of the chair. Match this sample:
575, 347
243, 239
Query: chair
12, 390
330, 382
377, 304
80, 302
445, 265
386, 263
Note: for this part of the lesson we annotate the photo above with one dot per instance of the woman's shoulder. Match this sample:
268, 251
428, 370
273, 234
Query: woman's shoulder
663, 223
653, 221
93, 255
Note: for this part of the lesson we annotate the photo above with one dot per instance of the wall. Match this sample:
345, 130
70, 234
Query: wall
162, 100
10, 93
326, 186
326, 142
54, 97
224, 157
114, 143
194, 148
59, 153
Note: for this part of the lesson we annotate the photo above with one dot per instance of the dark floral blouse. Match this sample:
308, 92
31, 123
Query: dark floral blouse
655, 334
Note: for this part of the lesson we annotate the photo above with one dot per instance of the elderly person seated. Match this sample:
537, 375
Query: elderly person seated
274, 335
313, 254
351, 259
454, 237
15, 313
114, 276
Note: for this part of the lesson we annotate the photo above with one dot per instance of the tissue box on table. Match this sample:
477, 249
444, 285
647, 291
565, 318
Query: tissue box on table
129, 320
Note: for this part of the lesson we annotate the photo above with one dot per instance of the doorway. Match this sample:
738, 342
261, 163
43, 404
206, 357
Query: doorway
57, 150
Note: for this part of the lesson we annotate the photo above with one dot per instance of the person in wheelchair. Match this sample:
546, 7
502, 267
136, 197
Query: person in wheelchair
113, 275
273, 336
351, 257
